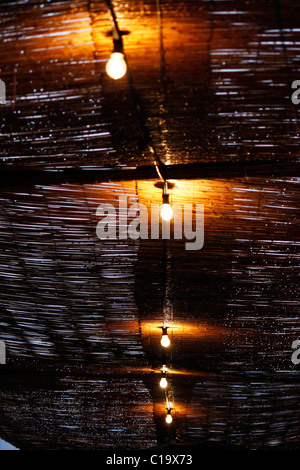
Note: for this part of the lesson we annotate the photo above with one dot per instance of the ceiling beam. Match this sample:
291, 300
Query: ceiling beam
226, 170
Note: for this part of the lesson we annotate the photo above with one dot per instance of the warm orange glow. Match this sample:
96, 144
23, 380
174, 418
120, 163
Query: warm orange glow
184, 330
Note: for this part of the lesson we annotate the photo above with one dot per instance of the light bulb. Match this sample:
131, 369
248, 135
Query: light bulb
169, 418
165, 341
116, 66
163, 382
166, 212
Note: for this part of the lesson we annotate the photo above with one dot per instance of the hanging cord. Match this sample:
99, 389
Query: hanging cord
146, 140
117, 35
159, 166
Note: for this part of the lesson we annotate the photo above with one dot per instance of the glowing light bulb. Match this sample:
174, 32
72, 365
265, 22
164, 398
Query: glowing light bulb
165, 341
169, 418
166, 212
163, 382
116, 66
166, 208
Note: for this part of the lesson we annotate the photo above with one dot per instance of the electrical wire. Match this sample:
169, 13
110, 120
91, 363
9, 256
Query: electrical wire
147, 139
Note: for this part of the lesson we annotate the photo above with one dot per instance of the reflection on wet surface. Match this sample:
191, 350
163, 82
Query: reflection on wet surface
91, 408
82, 319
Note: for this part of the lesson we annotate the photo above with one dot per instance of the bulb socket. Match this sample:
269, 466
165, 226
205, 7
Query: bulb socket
164, 331
118, 45
166, 199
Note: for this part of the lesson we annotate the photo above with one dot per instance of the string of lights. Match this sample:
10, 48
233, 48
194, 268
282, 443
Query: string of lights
116, 68
165, 342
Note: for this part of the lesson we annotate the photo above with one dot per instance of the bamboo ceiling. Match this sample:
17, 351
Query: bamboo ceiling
214, 79
80, 316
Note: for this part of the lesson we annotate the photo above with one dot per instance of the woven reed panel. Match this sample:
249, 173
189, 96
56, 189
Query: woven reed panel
213, 78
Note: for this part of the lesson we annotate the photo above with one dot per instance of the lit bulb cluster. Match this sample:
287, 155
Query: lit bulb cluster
166, 215
164, 384
116, 68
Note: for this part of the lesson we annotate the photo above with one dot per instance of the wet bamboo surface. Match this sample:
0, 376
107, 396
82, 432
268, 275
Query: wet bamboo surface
214, 80
81, 317
84, 315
